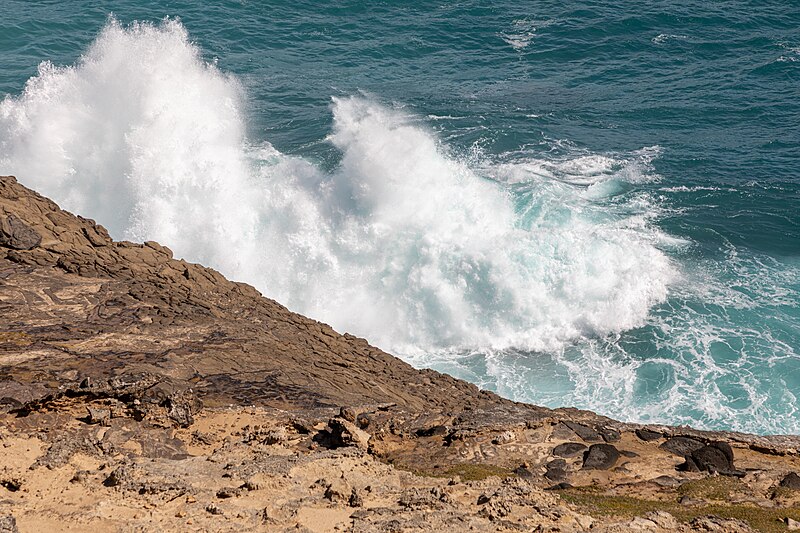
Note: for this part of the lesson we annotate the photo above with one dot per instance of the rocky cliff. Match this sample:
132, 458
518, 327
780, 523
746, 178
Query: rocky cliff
139, 392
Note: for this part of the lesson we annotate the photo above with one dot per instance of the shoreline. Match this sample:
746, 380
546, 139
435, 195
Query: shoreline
116, 357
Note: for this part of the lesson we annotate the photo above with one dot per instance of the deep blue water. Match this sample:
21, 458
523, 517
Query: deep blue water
594, 205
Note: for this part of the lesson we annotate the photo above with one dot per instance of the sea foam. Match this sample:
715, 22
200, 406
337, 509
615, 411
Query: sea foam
403, 243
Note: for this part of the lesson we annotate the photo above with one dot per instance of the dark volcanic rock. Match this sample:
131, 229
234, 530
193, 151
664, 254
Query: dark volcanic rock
560, 486
556, 470
14, 233
117, 477
681, 446
609, 434
585, 432
710, 459
791, 481
717, 457
600, 457
648, 435
568, 449
432, 431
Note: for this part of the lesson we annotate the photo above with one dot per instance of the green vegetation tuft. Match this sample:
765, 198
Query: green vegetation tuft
467, 472
759, 518
473, 472
712, 488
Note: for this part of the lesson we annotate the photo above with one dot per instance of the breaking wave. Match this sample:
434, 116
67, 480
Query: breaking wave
404, 242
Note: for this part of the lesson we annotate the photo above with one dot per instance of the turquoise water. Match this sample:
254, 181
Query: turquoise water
595, 205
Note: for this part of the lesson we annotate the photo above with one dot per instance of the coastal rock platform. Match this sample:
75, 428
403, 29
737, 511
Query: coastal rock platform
139, 392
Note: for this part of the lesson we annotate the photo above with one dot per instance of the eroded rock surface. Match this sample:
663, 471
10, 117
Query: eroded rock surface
139, 392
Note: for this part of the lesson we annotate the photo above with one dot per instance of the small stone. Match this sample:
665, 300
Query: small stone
666, 481
344, 433
689, 501
524, 471
711, 459
339, 490
363, 421
504, 437
8, 524
276, 436
725, 448
98, 416
348, 413
116, 477
717, 457
556, 470
355, 499
180, 413
80, 476
228, 492
791, 524
251, 485
562, 432
214, 509
191, 499
11, 484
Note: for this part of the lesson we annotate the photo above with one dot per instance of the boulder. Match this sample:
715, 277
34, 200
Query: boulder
648, 435
344, 433
15, 234
556, 470
600, 457
583, 431
681, 446
568, 449
791, 481
717, 457
609, 434
711, 459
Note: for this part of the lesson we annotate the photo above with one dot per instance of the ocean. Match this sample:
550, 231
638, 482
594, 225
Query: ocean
593, 205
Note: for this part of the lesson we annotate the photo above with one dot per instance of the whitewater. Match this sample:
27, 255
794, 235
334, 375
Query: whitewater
520, 270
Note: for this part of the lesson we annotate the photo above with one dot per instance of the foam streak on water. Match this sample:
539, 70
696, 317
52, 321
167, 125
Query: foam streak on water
522, 273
